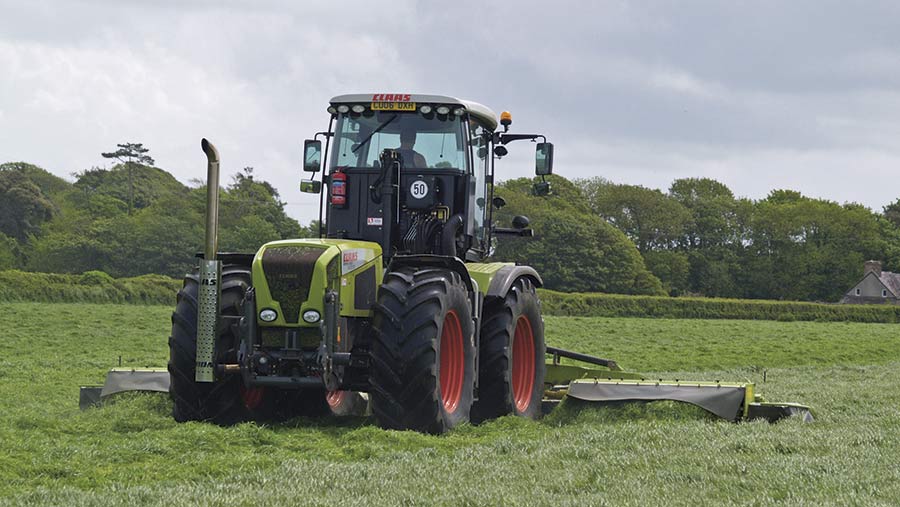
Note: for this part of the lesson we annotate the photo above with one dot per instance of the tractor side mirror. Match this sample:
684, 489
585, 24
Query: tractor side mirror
312, 156
500, 151
520, 222
543, 159
311, 186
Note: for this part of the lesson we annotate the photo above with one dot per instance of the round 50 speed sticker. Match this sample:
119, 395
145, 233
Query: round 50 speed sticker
418, 189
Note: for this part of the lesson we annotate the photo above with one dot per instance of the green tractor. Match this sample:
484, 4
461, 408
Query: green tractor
394, 298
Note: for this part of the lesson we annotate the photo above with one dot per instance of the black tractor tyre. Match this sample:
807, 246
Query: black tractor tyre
423, 352
224, 401
511, 361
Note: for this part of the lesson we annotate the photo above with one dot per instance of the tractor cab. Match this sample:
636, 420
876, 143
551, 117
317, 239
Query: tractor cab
410, 172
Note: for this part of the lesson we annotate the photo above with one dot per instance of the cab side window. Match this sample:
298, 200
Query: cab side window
480, 159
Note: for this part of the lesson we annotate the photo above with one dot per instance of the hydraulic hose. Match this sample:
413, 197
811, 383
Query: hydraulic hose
448, 236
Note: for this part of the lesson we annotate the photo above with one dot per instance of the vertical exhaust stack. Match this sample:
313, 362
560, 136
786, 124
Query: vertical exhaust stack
210, 273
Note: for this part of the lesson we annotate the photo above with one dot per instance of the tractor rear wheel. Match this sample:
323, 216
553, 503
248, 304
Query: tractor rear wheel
224, 401
423, 354
511, 361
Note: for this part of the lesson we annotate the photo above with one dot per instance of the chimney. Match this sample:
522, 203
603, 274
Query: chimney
872, 266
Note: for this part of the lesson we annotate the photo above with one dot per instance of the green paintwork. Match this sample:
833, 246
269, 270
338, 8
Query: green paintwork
483, 273
353, 257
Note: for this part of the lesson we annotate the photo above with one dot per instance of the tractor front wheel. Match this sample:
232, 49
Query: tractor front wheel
224, 401
511, 361
423, 354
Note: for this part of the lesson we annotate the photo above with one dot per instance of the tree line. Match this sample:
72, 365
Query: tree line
129, 220
699, 239
591, 235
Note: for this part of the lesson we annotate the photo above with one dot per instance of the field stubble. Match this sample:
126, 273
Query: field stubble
662, 453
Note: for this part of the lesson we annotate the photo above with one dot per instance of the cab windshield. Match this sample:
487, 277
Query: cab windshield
425, 141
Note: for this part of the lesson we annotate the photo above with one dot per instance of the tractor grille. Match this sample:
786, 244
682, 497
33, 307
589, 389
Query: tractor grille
289, 271
282, 338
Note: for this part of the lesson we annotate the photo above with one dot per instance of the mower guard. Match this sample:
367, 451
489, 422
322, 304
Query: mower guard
733, 401
124, 379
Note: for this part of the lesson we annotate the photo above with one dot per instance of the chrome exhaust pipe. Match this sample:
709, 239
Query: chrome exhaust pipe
210, 290
212, 199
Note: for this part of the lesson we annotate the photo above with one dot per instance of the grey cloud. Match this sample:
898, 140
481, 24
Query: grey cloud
760, 95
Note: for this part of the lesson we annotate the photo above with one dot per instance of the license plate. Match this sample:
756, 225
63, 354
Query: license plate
393, 106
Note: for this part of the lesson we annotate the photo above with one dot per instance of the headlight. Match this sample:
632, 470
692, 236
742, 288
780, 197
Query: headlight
268, 315
358, 108
459, 111
425, 109
443, 110
343, 108
311, 316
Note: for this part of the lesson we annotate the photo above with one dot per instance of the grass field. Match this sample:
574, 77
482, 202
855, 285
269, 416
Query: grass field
131, 452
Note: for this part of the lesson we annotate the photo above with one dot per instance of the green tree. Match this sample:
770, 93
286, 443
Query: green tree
8, 253
672, 267
713, 211
50, 184
311, 230
651, 219
809, 249
248, 196
714, 236
130, 154
573, 249
23, 207
892, 212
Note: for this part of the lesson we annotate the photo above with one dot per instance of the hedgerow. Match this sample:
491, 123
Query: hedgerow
89, 287
99, 287
613, 305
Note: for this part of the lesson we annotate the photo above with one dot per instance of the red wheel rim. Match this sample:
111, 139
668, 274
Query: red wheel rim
335, 398
523, 364
252, 396
453, 362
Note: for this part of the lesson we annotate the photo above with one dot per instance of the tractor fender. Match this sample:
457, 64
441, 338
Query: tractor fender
507, 275
451, 263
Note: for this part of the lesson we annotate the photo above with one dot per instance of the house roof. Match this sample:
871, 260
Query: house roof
891, 281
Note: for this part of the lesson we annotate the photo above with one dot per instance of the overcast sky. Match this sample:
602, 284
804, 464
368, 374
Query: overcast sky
758, 95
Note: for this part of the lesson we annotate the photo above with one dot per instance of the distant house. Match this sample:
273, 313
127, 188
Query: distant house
876, 287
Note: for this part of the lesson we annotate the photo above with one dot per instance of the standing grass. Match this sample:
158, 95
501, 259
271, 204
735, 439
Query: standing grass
131, 452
